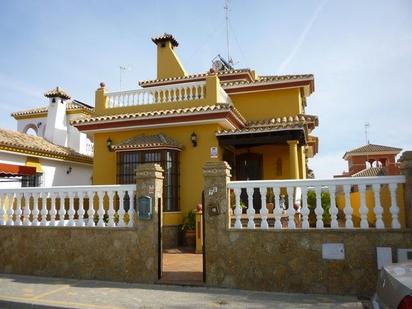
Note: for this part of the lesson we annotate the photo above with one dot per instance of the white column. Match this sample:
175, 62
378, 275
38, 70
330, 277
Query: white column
53, 211
80, 213
291, 209
238, 209
319, 208
43, 196
263, 210
10, 210
333, 209
348, 208
278, 210
62, 210
2, 209
18, 211
250, 209
26, 212
35, 211
305, 209
90, 211
131, 208
378, 208
111, 211
121, 211
71, 211
363, 210
394, 209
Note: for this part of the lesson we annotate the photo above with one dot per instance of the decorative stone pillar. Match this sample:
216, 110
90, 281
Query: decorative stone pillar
100, 101
293, 159
215, 209
302, 162
406, 170
149, 183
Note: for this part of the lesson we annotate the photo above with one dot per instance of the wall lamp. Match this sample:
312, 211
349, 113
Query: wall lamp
193, 138
69, 170
109, 144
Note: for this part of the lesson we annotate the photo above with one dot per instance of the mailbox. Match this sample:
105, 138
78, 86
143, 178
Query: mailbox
144, 206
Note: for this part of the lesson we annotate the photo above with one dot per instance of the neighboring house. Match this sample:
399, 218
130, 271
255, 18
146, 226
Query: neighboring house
255, 123
372, 160
46, 150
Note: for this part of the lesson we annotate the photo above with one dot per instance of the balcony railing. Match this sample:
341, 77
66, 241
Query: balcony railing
367, 202
161, 94
91, 206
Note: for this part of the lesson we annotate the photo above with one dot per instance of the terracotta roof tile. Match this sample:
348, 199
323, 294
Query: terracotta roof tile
165, 37
57, 92
374, 148
39, 146
370, 172
160, 113
189, 77
269, 79
274, 124
71, 106
148, 141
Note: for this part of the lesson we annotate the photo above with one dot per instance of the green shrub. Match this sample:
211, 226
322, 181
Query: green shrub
325, 199
189, 221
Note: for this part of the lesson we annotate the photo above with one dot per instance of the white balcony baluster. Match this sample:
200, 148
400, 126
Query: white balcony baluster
319, 208
26, 211
111, 211
71, 211
378, 208
291, 209
101, 211
250, 209
348, 208
263, 210
305, 209
36, 210
18, 211
333, 209
90, 211
2, 209
238, 209
394, 209
131, 211
363, 209
43, 213
62, 209
53, 210
121, 211
10, 209
80, 212
278, 210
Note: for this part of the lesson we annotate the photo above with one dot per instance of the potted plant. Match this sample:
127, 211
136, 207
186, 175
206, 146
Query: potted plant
189, 228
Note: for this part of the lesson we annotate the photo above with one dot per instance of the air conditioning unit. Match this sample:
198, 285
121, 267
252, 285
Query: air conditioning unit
404, 255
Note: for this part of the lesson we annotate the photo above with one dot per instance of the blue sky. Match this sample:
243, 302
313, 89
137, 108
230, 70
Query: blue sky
359, 51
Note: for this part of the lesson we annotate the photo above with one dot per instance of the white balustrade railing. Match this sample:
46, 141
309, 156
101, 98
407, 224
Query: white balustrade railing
91, 206
291, 209
160, 94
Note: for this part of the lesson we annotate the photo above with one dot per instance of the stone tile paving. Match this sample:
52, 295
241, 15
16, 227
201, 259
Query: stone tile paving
39, 292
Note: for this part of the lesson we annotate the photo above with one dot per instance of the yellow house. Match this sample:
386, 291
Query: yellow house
255, 123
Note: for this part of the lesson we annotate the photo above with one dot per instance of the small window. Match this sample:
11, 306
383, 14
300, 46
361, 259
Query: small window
32, 180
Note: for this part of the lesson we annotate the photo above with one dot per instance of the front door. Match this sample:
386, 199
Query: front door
249, 167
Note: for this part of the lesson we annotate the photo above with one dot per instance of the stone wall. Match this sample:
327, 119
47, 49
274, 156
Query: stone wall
118, 254
287, 260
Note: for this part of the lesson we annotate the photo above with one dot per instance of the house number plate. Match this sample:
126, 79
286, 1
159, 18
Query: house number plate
145, 207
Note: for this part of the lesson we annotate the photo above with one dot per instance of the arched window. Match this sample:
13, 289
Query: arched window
30, 129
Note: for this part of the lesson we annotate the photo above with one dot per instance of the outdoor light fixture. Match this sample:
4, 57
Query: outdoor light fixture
193, 137
69, 170
109, 144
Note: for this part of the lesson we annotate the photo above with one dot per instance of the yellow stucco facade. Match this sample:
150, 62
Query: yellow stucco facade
233, 101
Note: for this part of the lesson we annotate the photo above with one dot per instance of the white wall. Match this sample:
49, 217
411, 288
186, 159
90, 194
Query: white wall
22, 123
55, 173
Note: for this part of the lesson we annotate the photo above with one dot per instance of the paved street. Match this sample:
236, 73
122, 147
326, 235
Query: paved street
39, 292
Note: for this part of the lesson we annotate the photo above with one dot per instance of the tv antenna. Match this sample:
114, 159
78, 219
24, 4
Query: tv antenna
227, 9
122, 68
367, 125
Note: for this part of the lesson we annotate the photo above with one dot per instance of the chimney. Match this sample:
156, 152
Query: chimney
56, 124
168, 64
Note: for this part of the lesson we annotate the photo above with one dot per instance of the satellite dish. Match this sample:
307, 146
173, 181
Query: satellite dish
218, 65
